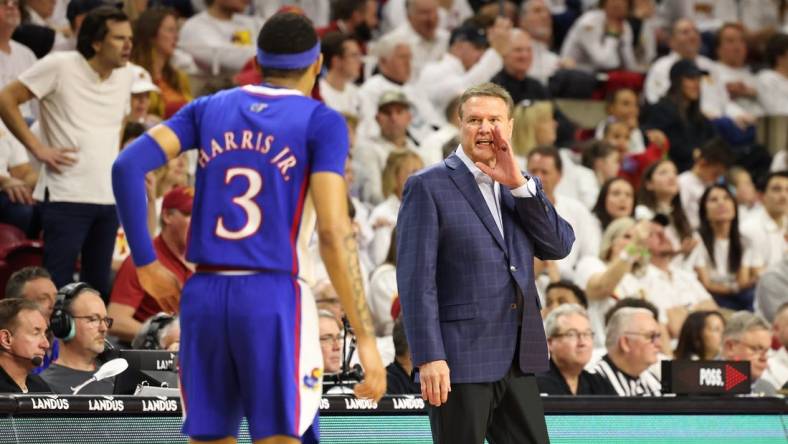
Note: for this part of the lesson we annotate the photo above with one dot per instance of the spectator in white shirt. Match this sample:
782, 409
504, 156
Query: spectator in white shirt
316, 10
766, 231
773, 82
15, 58
535, 19
736, 86
393, 117
684, 44
771, 290
84, 98
221, 39
659, 194
41, 13
399, 167
675, 292
601, 40
342, 60
394, 63
725, 266
612, 275
744, 190
546, 164
711, 162
451, 13
708, 14
748, 337
468, 62
438, 145
428, 41
616, 200
383, 290
777, 371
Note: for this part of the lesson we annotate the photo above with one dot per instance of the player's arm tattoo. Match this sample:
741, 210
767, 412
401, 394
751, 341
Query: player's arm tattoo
357, 285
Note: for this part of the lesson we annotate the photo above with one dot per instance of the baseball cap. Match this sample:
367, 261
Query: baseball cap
179, 198
469, 33
142, 81
685, 68
390, 97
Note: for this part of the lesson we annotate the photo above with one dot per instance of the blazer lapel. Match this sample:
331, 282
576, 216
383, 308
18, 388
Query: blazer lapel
467, 185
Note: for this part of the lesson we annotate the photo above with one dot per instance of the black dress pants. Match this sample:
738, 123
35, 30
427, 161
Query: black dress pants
508, 411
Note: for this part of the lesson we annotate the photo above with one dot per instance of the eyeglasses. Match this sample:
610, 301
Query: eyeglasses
574, 335
94, 320
755, 350
653, 336
328, 339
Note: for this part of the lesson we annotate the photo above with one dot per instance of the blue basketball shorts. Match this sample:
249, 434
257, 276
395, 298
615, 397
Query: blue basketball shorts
249, 348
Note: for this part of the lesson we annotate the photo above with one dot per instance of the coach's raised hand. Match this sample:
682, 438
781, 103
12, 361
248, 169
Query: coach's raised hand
161, 284
505, 171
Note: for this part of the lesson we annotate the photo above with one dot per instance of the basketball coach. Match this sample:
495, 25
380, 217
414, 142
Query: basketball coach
468, 231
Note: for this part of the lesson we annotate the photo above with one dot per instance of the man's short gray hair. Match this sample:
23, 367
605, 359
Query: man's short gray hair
620, 322
551, 322
387, 44
488, 89
323, 313
744, 321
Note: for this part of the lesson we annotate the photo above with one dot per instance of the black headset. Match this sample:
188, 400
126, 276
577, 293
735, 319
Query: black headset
61, 323
157, 324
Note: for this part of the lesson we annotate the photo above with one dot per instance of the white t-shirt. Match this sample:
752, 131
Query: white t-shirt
79, 109
347, 101
691, 189
220, 45
381, 240
780, 161
586, 233
773, 92
766, 239
14, 63
382, 290
12, 153
424, 51
719, 272
674, 289
628, 287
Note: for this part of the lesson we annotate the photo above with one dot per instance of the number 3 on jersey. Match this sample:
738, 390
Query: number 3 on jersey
254, 217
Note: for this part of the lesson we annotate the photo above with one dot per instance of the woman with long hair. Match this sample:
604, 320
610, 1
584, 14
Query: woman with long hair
155, 40
616, 199
723, 264
701, 336
659, 194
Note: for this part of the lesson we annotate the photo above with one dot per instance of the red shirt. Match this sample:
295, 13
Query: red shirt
127, 290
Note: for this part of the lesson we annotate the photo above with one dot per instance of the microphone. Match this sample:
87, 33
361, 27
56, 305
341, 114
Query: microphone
108, 370
35, 360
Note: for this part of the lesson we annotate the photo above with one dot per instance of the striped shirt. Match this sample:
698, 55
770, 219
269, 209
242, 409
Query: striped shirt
647, 384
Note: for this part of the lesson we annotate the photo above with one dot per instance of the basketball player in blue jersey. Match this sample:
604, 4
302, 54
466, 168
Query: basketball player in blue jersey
270, 165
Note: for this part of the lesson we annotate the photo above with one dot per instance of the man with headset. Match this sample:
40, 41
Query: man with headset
161, 331
79, 320
23, 342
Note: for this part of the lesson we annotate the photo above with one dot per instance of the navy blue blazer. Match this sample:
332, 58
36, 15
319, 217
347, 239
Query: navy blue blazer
458, 279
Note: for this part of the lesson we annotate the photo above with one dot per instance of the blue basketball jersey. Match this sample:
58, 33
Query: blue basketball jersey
257, 146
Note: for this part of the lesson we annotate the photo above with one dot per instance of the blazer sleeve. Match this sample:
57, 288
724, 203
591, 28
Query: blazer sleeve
417, 253
551, 235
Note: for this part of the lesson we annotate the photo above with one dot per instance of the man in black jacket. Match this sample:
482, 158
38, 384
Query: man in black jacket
399, 379
570, 340
23, 342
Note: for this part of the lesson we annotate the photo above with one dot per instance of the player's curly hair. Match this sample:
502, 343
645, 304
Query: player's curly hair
286, 33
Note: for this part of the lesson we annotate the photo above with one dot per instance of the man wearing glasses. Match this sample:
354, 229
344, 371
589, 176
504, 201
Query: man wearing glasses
632, 341
570, 340
78, 356
748, 337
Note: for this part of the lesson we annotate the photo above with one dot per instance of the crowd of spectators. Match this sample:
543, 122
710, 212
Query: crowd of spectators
680, 214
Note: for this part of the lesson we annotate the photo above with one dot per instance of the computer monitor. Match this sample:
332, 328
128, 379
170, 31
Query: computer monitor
154, 367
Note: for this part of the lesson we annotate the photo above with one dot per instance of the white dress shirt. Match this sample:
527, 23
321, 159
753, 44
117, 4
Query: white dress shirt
672, 288
586, 229
593, 50
544, 62
691, 189
424, 51
491, 190
773, 92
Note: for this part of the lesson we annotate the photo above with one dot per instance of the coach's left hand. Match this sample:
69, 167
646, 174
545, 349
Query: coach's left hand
506, 171
374, 384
